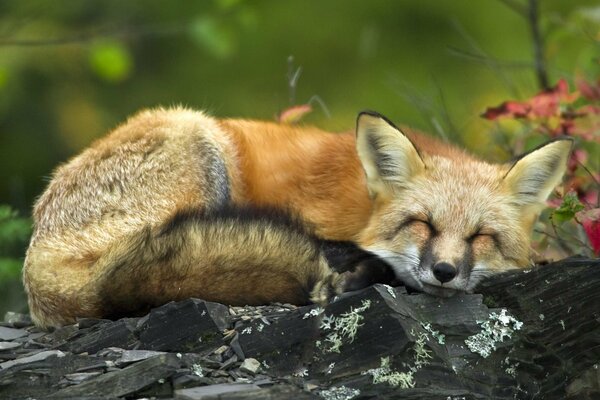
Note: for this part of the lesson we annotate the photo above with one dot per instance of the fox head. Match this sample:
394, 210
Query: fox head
443, 223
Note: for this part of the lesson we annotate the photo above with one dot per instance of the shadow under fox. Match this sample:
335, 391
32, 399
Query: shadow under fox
175, 204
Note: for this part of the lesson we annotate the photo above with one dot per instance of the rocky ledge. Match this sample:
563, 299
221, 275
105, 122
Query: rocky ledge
531, 334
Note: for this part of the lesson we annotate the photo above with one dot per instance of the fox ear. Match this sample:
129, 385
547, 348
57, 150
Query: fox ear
532, 177
387, 156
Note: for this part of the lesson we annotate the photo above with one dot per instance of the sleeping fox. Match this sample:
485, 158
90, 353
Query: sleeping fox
175, 204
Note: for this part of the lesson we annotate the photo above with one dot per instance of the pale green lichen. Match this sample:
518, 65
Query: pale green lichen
495, 329
344, 327
385, 374
422, 355
339, 393
440, 337
404, 380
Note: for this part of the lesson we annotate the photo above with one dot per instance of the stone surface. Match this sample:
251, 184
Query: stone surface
11, 333
250, 365
29, 359
211, 391
126, 381
189, 325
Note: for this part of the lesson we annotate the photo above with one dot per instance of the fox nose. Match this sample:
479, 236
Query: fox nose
444, 272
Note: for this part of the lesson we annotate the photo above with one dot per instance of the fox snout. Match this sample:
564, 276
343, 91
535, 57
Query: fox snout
444, 272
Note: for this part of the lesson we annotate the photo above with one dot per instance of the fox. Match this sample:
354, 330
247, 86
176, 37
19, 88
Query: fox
175, 203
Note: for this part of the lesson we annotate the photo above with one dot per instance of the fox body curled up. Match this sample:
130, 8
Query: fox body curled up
175, 204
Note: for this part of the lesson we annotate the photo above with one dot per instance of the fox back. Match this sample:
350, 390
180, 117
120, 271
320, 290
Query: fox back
158, 211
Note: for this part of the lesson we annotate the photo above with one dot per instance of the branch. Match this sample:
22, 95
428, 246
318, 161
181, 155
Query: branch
538, 45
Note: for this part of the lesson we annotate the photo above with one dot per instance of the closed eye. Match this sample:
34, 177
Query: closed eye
416, 220
484, 234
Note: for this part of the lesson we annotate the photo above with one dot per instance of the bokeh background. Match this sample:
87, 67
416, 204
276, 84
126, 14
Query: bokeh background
72, 70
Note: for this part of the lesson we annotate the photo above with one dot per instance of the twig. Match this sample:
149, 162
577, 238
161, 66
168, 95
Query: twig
455, 51
538, 45
317, 99
596, 181
488, 61
293, 75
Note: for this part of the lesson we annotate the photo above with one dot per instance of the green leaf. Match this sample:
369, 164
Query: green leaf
567, 210
111, 61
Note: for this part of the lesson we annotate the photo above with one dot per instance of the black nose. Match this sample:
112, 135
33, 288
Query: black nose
444, 272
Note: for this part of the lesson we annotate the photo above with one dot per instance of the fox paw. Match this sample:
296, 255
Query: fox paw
327, 288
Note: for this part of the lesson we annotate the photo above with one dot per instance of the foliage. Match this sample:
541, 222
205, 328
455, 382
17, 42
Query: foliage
14, 236
559, 111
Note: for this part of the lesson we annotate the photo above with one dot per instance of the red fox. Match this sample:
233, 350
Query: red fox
175, 204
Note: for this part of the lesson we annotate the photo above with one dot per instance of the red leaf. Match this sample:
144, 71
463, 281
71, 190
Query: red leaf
543, 104
512, 109
591, 225
294, 114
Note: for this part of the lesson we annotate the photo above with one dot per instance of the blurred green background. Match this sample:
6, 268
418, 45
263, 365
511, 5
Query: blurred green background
72, 70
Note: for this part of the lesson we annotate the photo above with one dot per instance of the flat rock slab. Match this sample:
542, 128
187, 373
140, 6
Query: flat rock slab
126, 381
9, 345
11, 333
189, 325
112, 334
33, 358
206, 392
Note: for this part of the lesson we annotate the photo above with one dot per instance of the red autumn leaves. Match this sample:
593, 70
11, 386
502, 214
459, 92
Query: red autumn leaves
555, 112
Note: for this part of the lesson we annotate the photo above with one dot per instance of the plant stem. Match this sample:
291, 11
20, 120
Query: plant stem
538, 45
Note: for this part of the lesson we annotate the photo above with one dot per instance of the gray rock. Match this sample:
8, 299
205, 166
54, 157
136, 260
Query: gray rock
204, 392
131, 356
17, 320
9, 345
127, 381
11, 333
250, 365
29, 359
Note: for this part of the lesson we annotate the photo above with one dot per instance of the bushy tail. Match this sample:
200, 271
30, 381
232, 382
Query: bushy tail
233, 256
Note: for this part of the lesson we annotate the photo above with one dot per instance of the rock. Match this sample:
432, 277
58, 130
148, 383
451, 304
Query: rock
213, 391
189, 325
126, 381
30, 359
99, 336
132, 356
78, 377
9, 345
250, 365
17, 320
11, 333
